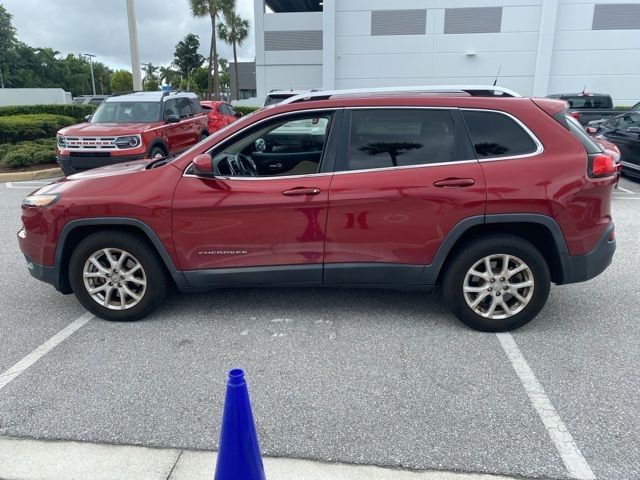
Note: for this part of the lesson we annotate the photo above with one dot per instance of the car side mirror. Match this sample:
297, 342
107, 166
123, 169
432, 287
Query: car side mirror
591, 130
633, 129
88, 118
203, 166
173, 119
238, 115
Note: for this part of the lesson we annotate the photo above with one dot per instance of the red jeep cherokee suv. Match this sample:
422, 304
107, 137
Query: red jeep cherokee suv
132, 126
492, 197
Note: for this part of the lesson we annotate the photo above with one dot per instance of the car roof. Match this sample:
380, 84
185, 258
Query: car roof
155, 96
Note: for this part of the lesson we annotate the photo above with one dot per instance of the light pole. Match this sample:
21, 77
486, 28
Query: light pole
93, 81
133, 46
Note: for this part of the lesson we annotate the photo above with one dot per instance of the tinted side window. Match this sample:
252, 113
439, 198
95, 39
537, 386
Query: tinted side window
496, 135
395, 138
195, 106
184, 106
171, 108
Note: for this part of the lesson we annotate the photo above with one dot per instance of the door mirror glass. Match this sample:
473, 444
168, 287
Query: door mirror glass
173, 118
87, 118
203, 166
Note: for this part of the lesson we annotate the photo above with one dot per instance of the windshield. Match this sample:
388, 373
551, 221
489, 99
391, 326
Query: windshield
127, 112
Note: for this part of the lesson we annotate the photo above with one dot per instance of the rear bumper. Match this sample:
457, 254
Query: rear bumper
580, 268
71, 165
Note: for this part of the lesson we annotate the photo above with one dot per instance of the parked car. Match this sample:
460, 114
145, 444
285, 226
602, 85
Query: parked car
276, 96
219, 114
89, 99
132, 126
624, 132
490, 197
587, 107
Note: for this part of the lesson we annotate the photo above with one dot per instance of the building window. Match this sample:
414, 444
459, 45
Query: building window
616, 16
472, 20
293, 40
399, 22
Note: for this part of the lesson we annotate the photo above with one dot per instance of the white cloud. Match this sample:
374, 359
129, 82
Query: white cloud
100, 27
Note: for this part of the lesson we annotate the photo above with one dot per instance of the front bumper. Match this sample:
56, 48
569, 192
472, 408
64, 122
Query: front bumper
50, 275
77, 164
580, 268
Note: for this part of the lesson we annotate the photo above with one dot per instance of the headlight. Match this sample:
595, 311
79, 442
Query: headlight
40, 200
62, 141
130, 141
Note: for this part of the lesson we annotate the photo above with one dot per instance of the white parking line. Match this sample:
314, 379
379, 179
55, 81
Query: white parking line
576, 465
8, 375
625, 189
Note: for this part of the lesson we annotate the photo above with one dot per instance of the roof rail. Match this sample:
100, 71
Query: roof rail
474, 90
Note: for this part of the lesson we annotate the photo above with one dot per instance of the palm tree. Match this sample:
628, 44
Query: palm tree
212, 9
168, 75
235, 31
149, 71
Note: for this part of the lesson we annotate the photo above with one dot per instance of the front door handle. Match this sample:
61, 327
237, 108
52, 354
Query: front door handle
299, 191
454, 182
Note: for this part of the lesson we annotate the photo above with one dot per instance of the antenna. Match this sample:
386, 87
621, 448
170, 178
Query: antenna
497, 75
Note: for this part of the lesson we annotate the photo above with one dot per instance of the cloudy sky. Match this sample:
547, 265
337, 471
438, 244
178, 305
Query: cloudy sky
100, 27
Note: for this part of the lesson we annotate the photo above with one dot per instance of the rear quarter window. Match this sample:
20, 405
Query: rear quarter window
496, 135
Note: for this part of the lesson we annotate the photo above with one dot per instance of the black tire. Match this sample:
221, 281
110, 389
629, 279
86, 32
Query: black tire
155, 151
468, 255
154, 274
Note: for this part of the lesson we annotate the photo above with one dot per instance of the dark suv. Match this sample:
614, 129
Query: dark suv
492, 197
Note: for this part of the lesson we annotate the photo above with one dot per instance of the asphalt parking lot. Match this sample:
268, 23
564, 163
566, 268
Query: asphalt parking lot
356, 376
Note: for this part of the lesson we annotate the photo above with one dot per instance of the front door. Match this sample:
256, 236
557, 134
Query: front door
255, 225
402, 182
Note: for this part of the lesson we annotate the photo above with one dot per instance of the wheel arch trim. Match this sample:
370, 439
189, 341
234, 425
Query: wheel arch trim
431, 271
177, 275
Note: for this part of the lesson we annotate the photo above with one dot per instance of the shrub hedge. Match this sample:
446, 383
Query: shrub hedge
26, 154
17, 128
78, 112
246, 110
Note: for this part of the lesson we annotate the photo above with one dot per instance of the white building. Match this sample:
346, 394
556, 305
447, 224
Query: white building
539, 46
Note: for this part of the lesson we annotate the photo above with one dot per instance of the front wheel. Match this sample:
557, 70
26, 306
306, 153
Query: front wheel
116, 276
497, 283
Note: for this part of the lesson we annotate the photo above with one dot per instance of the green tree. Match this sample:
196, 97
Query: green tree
169, 76
121, 81
150, 81
186, 55
224, 75
234, 31
212, 9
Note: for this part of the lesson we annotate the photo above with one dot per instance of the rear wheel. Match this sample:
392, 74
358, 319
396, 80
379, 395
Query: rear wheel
116, 276
497, 283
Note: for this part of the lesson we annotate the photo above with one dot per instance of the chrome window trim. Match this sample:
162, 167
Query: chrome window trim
538, 143
539, 147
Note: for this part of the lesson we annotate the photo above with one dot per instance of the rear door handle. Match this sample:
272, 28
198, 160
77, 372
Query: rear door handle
299, 191
454, 182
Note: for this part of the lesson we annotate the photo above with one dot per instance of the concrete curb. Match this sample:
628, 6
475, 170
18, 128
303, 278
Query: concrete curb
34, 175
25, 458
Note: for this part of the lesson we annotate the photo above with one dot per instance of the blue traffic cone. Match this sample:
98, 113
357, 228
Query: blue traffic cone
238, 453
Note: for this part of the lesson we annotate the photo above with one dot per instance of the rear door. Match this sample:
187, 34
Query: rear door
404, 178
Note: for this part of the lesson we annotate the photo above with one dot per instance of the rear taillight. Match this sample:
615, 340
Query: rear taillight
575, 115
601, 165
